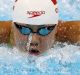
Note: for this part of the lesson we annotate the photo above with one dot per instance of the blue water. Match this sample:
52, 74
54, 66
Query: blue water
60, 60
69, 9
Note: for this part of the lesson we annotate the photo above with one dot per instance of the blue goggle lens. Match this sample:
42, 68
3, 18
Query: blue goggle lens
44, 31
25, 31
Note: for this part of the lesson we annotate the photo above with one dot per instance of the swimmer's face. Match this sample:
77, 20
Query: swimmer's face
43, 37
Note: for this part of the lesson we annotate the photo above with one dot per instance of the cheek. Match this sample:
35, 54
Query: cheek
48, 41
20, 40
45, 42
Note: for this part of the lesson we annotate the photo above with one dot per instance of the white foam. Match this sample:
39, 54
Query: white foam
59, 55
29, 41
65, 53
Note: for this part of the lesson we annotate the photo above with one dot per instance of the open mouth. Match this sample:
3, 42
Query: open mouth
34, 52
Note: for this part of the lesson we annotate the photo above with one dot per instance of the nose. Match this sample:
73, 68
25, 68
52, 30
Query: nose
35, 40
34, 44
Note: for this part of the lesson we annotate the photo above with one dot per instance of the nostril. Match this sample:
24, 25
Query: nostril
34, 44
31, 44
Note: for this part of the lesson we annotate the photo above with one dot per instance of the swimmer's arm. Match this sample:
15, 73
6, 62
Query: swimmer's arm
68, 31
5, 28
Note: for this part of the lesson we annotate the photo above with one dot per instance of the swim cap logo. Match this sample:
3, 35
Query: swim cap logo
54, 2
34, 14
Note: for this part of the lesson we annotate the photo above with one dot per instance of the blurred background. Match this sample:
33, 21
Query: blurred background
69, 10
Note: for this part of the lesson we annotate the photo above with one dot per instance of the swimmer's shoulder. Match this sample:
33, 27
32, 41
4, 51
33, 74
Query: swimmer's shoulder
68, 31
5, 30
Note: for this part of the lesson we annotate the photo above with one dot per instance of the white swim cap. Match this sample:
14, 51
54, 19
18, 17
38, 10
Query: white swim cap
35, 12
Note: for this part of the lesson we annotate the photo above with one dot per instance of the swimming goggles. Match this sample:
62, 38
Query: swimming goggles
43, 31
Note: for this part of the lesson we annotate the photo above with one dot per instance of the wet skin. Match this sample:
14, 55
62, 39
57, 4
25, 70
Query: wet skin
63, 32
39, 44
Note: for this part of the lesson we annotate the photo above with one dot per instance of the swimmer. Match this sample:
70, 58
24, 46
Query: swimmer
39, 22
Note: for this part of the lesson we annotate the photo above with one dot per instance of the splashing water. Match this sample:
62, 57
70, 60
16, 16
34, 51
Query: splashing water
63, 59
29, 41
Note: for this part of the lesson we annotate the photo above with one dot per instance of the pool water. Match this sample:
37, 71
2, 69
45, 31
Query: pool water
63, 59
